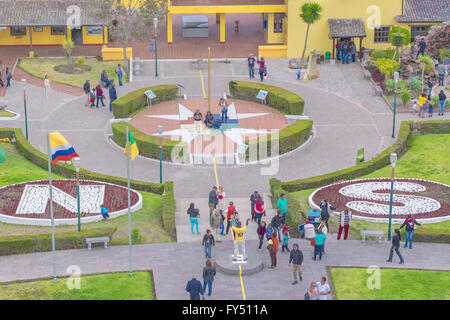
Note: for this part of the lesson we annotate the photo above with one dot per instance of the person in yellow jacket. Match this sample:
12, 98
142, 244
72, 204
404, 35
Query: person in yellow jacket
239, 240
422, 105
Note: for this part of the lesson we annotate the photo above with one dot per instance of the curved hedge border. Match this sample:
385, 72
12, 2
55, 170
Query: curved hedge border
148, 145
135, 100
281, 99
289, 138
28, 243
41, 160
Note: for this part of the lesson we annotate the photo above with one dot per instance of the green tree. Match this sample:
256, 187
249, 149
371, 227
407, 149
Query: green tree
425, 61
310, 13
67, 47
406, 96
131, 20
399, 37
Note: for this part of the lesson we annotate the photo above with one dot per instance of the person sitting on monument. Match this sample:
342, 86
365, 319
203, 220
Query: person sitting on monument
209, 118
104, 212
239, 240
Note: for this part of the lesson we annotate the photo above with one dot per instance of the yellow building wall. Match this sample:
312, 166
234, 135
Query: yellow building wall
45, 37
110, 54
272, 37
7, 40
318, 33
90, 40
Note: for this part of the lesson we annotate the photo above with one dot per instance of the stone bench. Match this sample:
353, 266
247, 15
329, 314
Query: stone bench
366, 74
90, 241
2, 106
378, 90
372, 233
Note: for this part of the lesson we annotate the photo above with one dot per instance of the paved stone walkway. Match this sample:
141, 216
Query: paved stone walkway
174, 263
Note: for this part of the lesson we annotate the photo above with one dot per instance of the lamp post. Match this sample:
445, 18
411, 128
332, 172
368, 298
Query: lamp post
76, 163
396, 77
393, 161
155, 23
24, 83
160, 131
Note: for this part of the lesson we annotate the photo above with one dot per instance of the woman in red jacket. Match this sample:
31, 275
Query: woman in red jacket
262, 68
259, 210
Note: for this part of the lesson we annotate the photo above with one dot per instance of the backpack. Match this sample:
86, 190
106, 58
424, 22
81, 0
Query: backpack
306, 296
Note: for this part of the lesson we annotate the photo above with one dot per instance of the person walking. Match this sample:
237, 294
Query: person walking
422, 45
325, 210
422, 105
8, 77
276, 222
194, 287
430, 85
92, 98
207, 243
47, 86
272, 254
441, 74
285, 244
410, 224
313, 293
323, 228
99, 95
231, 208
208, 277
120, 72
299, 73
251, 66
239, 240
318, 244
282, 205
198, 121
112, 96
253, 198
396, 238
212, 200
323, 288
262, 67
87, 90
345, 221
261, 231
275, 246
296, 258
269, 231
260, 210
215, 221
194, 214
224, 109
442, 102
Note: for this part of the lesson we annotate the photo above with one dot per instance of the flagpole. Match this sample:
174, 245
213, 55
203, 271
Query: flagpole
55, 279
129, 211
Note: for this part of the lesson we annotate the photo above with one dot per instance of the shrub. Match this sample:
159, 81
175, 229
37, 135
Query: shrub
378, 77
80, 61
428, 69
443, 52
168, 210
136, 236
281, 99
135, 100
427, 60
435, 100
387, 66
415, 84
148, 145
377, 54
406, 96
19, 244
390, 85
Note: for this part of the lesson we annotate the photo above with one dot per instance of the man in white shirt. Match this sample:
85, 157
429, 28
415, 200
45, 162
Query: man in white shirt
323, 288
309, 230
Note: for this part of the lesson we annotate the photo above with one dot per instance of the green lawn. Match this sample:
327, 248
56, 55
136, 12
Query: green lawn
395, 284
38, 67
427, 158
113, 286
147, 219
6, 114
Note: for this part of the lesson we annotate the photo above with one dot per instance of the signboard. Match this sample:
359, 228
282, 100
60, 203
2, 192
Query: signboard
150, 95
262, 94
242, 148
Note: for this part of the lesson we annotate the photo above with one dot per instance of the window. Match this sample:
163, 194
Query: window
278, 22
419, 31
94, 30
37, 29
18, 31
58, 31
381, 34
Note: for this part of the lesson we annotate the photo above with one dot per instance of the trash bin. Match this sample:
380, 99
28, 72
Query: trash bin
327, 55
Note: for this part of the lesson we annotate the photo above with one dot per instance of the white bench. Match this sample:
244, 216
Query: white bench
372, 233
378, 90
366, 74
90, 241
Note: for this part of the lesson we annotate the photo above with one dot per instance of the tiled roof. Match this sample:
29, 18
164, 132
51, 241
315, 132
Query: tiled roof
46, 12
425, 11
347, 28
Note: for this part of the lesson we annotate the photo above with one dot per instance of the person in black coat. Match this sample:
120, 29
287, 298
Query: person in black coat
324, 211
296, 258
212, 200
112, 96
194, 287
396, 238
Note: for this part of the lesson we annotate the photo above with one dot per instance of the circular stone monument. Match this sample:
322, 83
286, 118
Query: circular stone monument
254, 263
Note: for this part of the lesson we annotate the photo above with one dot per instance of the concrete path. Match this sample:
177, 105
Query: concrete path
174, 263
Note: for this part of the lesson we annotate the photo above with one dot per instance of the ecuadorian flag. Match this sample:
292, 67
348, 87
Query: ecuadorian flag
132, 146
60, 149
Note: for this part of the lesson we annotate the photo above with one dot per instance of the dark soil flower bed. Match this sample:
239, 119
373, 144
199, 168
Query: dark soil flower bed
70, 69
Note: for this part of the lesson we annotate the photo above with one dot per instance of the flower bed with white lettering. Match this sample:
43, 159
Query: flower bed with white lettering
369, 199
28, 203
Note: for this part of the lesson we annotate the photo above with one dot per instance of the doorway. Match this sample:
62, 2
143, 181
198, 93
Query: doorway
77, 37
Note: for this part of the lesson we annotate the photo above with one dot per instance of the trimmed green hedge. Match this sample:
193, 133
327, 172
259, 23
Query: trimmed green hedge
41, 160
135, 100
43, 242
281, 99
168, 210
289, 138
148, 145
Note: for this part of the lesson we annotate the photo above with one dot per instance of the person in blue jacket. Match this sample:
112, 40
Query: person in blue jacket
104, 78
195, 288
104, 212
112, 95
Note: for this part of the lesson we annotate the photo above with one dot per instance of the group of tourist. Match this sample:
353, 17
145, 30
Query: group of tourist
209, 121
8, 76
95, 95
346, 50
262, 67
